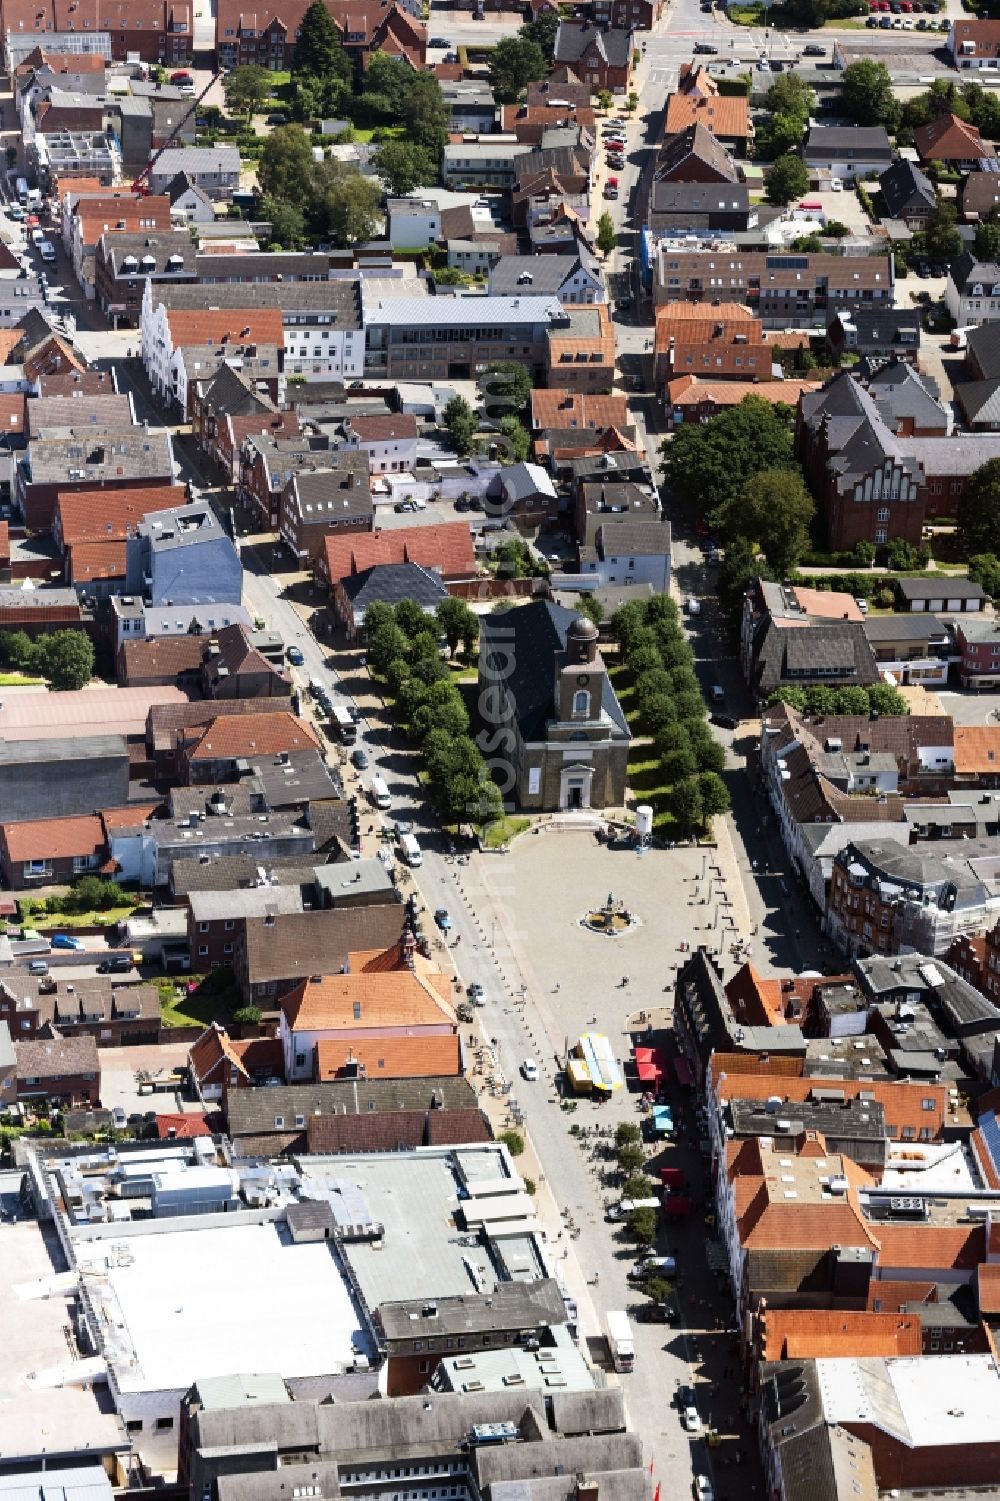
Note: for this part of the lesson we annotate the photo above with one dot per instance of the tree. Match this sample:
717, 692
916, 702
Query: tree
866, 94
631, 1157
386, 645
737, 571
247, 1016
710, 755
505, 386
774, 509
607, 239
459, 422
886, 700
447, 713
714, 795
657, 1289
67, 659
686, 805
423, 114
17, 649
515, 62
627, 1134
513, 1141
517, 436
983, 569
605, 99
851, 700
987, 241
349, 206
978, 515
286, 164
590, 605
864, 552
542, 30
679, 764
787, 179
318, 52
287, 221
778, 135
820, 700
247, 89
941, 235
456, 622
717, 458
637, 1186
404, 166
642, 1227
790, 95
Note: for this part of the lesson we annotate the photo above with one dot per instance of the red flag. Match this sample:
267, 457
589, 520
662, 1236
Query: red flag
656, 1493
651, 1467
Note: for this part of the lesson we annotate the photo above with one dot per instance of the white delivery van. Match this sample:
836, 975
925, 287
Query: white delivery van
380, 793
410, 849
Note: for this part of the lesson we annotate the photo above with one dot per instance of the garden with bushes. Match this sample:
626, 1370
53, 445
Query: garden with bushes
404, 654
677, 764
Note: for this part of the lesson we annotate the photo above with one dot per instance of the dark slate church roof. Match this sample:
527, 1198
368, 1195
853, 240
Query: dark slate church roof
529, 637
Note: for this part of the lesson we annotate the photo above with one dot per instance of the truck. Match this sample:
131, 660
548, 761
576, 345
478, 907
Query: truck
621, 1343
380, 793
410, 850
345, 726
676, 1198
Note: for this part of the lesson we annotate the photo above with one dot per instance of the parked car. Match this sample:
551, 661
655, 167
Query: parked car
529, 1070
66, 941
476, 994
443, 919
703, 1489
691, 1420
439, 41
359, 759
705, 49
116, 964
684, 1397
295, 656
38, 967
813, 50
277, 119
692, 605
726, 721
119, 1118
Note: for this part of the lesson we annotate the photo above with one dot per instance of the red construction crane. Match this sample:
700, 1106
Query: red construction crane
139, 187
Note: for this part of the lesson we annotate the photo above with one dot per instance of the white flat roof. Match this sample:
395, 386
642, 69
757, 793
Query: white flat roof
941, 1399
928, 1168
197, 1303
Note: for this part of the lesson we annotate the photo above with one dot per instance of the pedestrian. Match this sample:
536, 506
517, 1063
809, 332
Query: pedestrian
556, 988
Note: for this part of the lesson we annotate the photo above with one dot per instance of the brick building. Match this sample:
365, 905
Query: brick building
267, 37
63, 1070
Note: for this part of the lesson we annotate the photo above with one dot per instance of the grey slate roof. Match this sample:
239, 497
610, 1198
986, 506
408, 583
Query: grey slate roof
574, 38
341, 490
850, 142
541, 274
980, 400
968, 269
832, 651
984, 344
637, 538
905, 189
88, 457
511, 1306
677, 150
197, 159
341, 299
162, 247
901, 394
391, 583
533, 636
252, 1111
878, 327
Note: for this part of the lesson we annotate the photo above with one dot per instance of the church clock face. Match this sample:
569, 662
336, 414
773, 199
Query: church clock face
583, 680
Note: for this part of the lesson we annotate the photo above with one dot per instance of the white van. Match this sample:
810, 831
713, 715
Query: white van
625, 1207
380, 793
410, 850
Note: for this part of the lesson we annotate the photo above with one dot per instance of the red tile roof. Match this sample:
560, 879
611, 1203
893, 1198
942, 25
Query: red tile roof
229, 736
726, 116
236, 326
555, 408
936, 1247
181, 1127
988, 1287
109, 515
132, 817
903, 1104
977, 749
54, 838
97, 560
813, 1334
332, 1003
445, 546
388, 1057
950, 139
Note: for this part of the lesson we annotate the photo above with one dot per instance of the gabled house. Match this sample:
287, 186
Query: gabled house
694, 155
573, 279
974, 43
316, 502
602, 59
952, 141
726, 116
847, 151
267, 38
388, 995
907, 194
972, 291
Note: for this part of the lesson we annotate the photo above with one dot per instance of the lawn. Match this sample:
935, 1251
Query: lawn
363, 133
621, 681
199, 1009
645, 777
48, 920
503, 830
19, 680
